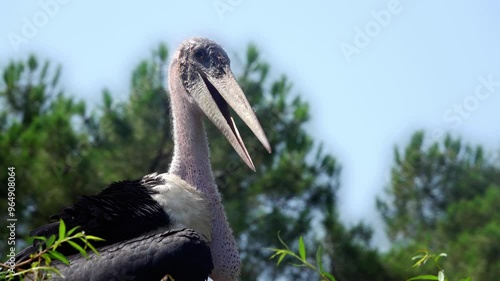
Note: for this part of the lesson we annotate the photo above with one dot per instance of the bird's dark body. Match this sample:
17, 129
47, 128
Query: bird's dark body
122, 211
182, 254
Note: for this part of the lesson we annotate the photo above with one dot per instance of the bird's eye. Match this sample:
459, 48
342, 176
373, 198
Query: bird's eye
200, 55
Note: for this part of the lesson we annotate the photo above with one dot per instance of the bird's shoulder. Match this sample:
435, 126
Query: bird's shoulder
121, 204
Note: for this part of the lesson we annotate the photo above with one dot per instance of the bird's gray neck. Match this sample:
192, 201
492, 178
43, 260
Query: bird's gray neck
191, 160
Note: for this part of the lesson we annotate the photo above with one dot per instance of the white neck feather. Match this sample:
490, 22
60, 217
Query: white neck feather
185, 205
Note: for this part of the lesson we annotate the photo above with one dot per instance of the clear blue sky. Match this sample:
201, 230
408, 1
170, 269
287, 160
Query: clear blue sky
370, 84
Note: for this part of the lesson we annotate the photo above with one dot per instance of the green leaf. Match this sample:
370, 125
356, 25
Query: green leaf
302, 248
319, 255
62, 230
417, 257
58, 256
72, 230
92, 248
95, 238
275, 249
282, 256
41, 238
424, 277
79, 248
328, 275
47, 259
278, 252
50, 241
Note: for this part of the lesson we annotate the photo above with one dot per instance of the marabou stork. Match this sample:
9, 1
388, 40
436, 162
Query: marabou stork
128, 214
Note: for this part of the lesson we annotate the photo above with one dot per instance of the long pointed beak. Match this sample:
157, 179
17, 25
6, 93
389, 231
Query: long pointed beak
214, 98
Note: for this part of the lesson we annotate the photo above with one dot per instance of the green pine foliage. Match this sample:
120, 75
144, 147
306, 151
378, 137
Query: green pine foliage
444, 195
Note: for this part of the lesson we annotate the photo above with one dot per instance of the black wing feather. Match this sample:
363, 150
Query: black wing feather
182, 254
121, 211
